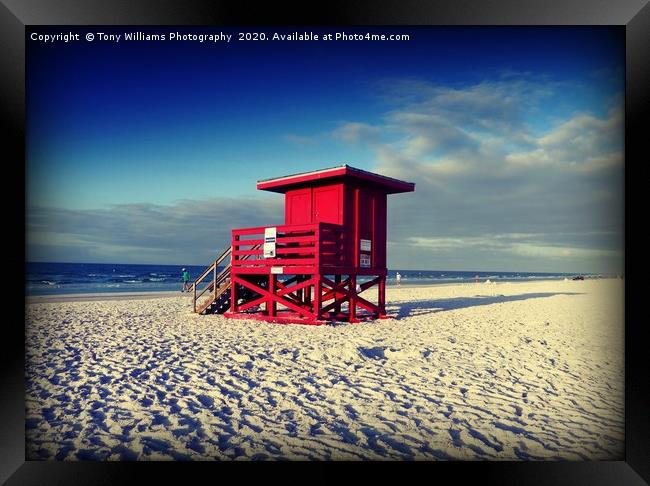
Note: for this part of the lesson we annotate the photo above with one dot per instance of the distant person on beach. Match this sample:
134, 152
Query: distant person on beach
398, 277
186, 281
477, 277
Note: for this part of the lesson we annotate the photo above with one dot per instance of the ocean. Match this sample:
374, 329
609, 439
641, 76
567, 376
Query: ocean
71, 278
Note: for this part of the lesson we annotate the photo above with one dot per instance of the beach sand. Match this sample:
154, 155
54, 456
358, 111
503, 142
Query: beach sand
501, 371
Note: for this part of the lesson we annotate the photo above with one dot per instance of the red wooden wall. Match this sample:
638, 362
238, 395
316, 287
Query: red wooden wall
359, 207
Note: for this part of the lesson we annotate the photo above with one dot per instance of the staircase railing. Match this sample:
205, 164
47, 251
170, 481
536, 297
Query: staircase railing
216, 280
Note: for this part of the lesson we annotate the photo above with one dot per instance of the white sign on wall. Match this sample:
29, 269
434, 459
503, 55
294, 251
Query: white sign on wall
365, 245
270, 235
364, 260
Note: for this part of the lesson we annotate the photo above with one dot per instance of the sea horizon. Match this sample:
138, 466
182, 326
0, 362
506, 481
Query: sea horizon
53, 278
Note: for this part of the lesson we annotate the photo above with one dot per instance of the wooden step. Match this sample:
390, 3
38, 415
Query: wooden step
203, 307
221, 302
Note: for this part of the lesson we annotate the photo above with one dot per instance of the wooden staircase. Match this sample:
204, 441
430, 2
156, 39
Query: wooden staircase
206, 301
214, 298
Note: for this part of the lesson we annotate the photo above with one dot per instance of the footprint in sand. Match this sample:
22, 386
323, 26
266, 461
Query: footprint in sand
206, 401
147, 402
152, 444
455, 437
159, 419
350, 412
125, 454
372, 353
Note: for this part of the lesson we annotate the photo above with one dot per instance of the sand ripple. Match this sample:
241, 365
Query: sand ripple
507, 371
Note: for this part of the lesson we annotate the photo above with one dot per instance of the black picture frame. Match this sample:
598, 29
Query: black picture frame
634, 15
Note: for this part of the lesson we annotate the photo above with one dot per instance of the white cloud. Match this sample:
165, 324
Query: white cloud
583, 143
508, 243
481, 172
490, 192
564, 252
190, 231
354, 132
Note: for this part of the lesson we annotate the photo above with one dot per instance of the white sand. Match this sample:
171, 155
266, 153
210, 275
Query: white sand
475, 371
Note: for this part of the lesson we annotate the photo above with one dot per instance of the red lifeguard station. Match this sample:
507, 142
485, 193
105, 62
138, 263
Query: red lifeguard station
323, 264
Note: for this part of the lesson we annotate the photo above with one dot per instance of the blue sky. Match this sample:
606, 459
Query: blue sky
487, 122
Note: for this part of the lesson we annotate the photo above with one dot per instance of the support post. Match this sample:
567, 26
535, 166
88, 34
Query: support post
337, 307
271, 305
300, 294
233, 285
194, 293
353, 299
233, 296
382, 296
318, 294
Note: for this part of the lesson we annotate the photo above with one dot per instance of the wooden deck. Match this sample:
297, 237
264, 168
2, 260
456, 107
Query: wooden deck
310, 279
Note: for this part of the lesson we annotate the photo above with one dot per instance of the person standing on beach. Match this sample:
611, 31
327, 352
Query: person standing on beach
186, 281
398, 277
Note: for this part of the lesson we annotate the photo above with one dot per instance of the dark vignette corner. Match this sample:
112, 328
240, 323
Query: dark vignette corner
637, 385
12, 432
203, 13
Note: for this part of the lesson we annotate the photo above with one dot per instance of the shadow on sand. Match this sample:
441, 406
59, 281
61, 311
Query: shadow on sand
423, 307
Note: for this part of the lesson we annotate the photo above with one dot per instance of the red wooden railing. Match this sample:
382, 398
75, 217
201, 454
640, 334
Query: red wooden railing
299, 249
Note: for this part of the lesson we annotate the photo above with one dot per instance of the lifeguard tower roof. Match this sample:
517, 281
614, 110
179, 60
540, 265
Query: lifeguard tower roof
285, 183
